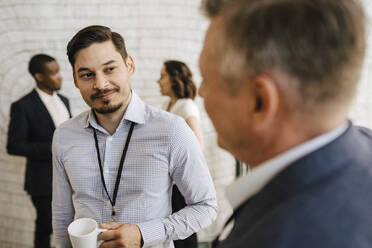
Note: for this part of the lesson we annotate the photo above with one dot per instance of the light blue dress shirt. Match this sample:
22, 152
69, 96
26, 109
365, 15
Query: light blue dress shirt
162, 150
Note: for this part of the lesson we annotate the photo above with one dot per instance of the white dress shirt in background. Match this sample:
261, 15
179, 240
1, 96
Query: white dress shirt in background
56, 108
184, 107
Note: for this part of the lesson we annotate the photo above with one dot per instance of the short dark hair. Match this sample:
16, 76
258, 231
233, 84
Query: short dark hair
94, 34
180, 76
319, 43
37, 62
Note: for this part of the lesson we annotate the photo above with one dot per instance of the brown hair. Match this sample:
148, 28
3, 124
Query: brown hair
180, 76
94, 34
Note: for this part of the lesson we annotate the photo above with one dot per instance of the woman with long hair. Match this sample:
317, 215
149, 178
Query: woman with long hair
176, 82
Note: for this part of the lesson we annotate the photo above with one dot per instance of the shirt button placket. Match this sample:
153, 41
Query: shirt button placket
106, 174
106, 164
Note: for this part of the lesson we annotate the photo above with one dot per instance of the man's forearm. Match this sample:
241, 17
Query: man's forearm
179, 225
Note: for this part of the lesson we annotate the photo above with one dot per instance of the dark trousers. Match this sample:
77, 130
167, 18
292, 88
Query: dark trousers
43, 223
178, 202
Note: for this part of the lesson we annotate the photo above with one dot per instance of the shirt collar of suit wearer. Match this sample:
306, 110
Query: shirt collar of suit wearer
246, 186
135, 112
45, 95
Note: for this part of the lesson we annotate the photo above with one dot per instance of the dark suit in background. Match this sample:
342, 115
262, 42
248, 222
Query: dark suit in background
323, 200
30, 135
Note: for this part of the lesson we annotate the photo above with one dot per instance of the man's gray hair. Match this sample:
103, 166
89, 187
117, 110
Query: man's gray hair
318, 43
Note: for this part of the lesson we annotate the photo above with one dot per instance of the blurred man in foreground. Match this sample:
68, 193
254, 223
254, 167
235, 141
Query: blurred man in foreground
278, 79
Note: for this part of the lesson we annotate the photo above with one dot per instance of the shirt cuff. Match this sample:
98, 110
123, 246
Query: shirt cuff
152, 232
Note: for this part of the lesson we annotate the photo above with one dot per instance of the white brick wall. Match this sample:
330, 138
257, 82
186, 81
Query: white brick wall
154, 30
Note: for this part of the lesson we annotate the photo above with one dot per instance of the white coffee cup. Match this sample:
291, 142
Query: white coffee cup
84, 232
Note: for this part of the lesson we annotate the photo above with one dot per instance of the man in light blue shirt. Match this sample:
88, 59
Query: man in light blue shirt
117, 162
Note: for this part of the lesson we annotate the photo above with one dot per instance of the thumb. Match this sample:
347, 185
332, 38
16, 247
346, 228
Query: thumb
110, 225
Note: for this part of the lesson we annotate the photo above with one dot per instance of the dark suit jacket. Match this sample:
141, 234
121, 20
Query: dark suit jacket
30, 134
323, 200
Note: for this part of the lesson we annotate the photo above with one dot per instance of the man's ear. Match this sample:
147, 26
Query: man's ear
39, 77
130, 65
266, 99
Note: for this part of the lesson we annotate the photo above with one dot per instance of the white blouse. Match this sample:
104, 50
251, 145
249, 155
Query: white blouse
184, 107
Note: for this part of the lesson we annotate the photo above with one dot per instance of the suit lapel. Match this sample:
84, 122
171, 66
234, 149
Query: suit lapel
296, 178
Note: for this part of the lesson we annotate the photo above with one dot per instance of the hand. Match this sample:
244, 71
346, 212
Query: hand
120, 235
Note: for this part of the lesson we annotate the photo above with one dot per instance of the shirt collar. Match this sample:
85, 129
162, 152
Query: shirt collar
246, 186
45, 95
135, 112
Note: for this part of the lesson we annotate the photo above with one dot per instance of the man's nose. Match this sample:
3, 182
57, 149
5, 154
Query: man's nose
100, 82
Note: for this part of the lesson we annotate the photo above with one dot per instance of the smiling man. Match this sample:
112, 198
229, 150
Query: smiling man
117, 162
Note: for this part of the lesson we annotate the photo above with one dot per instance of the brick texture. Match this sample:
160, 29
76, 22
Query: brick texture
154, 31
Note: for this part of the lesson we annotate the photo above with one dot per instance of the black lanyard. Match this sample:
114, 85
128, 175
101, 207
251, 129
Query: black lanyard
118, 177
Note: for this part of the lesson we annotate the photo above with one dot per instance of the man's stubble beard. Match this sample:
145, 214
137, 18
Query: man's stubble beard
108, 109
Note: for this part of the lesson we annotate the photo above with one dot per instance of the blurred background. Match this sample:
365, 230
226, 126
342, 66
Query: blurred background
154, 30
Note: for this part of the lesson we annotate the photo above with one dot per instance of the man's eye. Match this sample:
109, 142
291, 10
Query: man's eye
110, 69
86, 75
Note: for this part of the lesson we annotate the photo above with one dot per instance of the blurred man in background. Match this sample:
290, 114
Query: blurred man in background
33, 119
